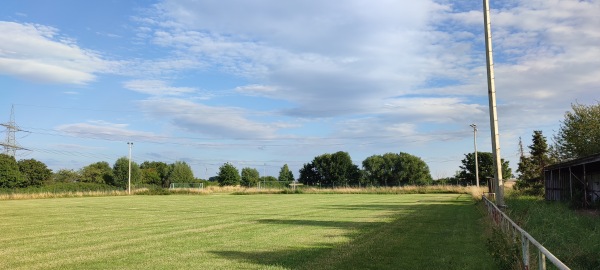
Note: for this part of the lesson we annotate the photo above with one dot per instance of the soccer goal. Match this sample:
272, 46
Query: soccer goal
186, 186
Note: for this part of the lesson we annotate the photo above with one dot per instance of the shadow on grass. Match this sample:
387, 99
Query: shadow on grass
433, 235
350, 225
288, 258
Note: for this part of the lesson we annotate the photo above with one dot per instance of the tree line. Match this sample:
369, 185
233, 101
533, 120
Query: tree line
327, 170
30, 172
337, 169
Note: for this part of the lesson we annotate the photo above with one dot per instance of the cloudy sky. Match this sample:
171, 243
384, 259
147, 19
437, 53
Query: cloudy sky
265, 83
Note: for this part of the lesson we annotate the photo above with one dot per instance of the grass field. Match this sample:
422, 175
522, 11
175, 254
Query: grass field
271, 231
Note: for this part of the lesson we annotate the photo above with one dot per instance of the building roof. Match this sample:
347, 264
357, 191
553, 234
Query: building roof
575, 162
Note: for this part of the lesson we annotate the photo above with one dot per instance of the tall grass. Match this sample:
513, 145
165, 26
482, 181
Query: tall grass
59, 187
79, 190
60, 190
69, 194
571, 235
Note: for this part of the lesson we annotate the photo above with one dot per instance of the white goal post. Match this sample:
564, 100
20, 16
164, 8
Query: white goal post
186, 186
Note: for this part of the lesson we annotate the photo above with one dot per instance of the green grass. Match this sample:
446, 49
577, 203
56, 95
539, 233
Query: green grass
573, 236
266, 231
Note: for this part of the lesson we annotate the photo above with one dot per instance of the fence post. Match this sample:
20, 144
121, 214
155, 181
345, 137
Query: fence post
525, 245
542, 260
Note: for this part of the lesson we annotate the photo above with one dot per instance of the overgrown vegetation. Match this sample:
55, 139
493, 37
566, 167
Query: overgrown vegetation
570, 235
60, 190
59, 187
505, 251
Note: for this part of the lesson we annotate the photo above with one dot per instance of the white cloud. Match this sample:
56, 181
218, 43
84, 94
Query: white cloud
309, 54
256, 89
309, 26
546, 57
157, 88
432, 110
363, 127
99, 129
219, 122
36, 52
43, 72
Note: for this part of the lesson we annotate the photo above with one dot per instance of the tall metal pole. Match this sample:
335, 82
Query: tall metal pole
474, 126
129, 174
498, 184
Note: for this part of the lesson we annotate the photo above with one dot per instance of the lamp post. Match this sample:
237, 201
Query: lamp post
474, 126
498, 185
129, 173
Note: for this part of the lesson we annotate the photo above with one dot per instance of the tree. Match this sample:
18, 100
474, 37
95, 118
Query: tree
579, 133
392, 169
531, 168
343, 171
228, 175
155, 173
309, 175
99, 172
181, 173
486, 168
268, 178
374, 170
35, 172
334, 169
285, 175
384, 170
250, 177
121, 173
527, 171
150, 176
414, 170
66, 176
10, 176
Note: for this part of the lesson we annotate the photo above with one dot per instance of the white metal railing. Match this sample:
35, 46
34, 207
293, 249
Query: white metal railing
510, 227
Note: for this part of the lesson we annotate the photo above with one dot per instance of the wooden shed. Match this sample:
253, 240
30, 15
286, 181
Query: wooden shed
576, 180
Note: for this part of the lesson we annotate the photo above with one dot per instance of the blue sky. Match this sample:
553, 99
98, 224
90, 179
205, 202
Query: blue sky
265, 83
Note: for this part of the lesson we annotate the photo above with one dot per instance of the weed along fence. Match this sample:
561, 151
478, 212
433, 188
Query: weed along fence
513, 230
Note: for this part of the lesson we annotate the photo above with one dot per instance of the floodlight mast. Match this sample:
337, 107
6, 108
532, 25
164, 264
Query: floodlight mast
498, 183
474, 126
129, 172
